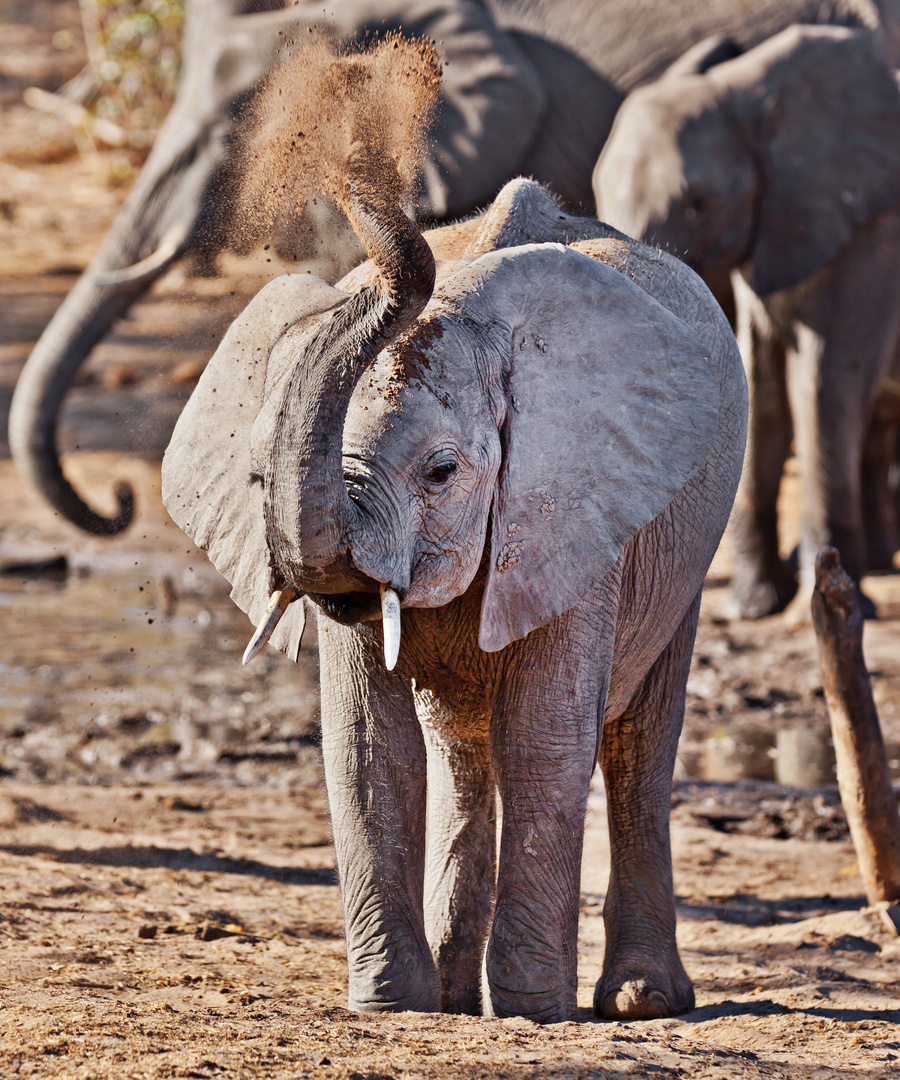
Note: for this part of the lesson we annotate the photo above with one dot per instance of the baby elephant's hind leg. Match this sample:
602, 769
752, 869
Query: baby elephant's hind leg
642, 972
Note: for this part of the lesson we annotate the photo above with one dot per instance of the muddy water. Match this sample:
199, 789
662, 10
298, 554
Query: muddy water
120, 672
125, 665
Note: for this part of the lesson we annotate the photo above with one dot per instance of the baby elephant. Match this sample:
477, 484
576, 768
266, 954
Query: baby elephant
535, 462
782, 164
526, 452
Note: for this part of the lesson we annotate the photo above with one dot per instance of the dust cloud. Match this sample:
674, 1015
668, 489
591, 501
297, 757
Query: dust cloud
330, 116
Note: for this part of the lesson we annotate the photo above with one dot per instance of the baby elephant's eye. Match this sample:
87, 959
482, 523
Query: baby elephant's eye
441, 472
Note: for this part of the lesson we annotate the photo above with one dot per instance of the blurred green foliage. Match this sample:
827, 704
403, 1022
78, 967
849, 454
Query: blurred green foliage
134, 50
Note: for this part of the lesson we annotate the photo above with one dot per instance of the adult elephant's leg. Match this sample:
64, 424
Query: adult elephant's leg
879, 460
375, 773
761, 583
828, 417
544, 732
642, 972
461, 850
846, 332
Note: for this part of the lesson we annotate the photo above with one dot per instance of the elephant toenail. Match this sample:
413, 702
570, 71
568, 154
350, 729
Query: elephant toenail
630, 1002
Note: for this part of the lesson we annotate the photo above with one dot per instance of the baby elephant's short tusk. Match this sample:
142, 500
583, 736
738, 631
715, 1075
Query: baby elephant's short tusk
277, 606
390, 615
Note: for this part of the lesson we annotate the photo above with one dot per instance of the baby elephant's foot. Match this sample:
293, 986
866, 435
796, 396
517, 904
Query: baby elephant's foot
416, 1003
646, 996
374, 991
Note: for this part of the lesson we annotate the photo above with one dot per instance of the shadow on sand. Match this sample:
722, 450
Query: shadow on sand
148, 857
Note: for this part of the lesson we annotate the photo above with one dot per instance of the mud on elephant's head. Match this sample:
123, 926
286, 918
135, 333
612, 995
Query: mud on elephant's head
772, 158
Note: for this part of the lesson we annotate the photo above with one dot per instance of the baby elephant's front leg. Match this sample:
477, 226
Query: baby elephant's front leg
544, 736
375, 769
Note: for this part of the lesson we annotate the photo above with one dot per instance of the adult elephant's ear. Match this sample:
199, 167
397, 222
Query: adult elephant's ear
611, 404
211, 486
830, 152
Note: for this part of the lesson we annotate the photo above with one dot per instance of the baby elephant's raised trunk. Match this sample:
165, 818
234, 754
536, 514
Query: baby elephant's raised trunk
309, 518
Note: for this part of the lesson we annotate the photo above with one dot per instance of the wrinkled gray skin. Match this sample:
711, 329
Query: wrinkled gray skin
784, 165
515, 69
541, 465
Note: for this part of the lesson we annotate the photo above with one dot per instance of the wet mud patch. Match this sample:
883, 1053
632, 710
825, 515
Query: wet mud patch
757, 808
122, 661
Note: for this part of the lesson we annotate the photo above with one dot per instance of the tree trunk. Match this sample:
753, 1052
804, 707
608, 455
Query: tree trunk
862, 769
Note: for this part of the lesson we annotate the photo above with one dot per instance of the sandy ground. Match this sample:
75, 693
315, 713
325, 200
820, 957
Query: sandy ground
196, 931
168, 903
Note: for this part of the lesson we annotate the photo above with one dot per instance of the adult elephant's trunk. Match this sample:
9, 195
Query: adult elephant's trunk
81, 321
309, 517
160, 220
154, 227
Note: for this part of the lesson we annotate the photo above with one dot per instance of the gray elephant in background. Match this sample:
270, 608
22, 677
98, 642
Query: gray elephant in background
783, 164
534, 458
531, 87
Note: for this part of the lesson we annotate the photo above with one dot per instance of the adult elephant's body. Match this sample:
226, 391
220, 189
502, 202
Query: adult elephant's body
783, 165
632, 42
510, 90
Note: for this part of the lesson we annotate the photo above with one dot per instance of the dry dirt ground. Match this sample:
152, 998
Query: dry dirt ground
168, 905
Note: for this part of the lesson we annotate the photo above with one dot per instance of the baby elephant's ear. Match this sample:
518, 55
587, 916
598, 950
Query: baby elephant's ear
209, 485
612, 403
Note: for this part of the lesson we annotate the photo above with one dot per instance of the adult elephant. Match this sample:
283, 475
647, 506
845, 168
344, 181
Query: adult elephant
783, 163
531, 449
531, 87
